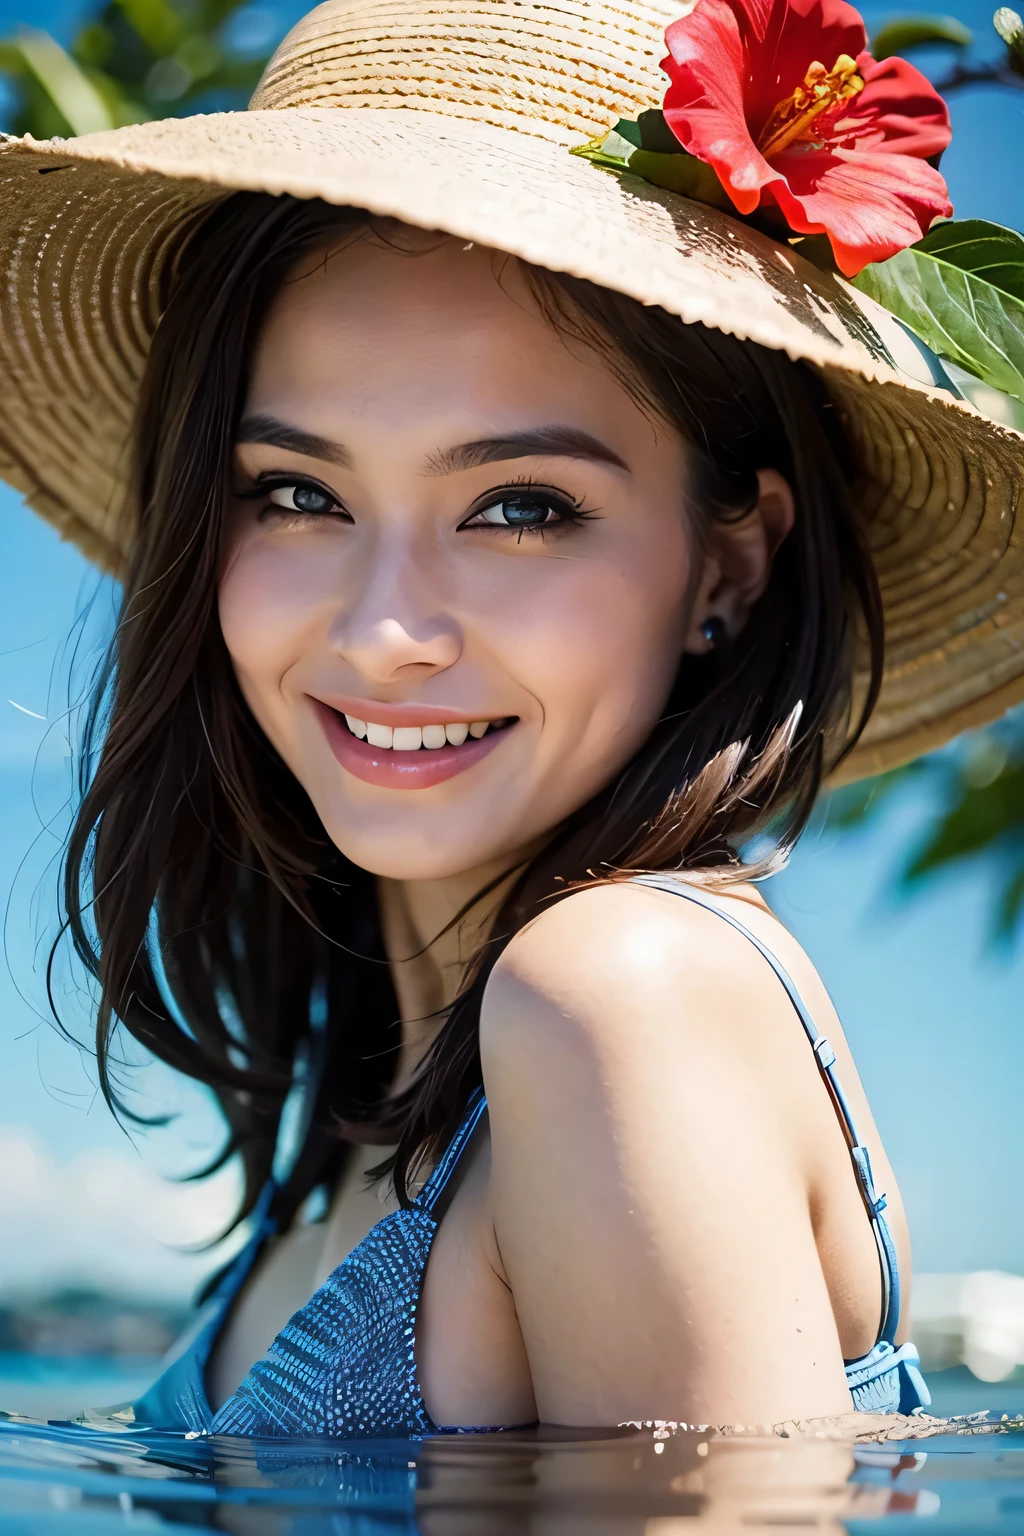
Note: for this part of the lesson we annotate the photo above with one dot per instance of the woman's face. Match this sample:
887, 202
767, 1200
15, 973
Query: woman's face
459, 574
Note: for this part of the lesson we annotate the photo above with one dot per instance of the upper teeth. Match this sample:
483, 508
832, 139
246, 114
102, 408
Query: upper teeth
409, 738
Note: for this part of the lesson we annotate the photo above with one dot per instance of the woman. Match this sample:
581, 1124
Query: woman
497, 576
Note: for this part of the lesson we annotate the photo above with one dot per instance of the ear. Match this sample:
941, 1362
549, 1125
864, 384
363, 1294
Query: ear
738, 562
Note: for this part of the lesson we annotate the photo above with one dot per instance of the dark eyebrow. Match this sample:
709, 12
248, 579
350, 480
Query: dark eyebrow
549, 442
278, 434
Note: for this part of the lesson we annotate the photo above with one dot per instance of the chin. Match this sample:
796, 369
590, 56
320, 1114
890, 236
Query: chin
405, 852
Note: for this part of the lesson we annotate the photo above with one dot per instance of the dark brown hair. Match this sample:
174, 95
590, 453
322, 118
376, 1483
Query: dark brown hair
225, 931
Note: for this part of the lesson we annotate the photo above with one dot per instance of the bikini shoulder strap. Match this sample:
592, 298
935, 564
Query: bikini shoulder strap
437, 1191
825, 1057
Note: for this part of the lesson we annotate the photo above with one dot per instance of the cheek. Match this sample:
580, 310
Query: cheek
597, 642
276, 599
270, 604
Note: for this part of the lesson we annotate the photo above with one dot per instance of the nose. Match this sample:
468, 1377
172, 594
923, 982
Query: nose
395, 630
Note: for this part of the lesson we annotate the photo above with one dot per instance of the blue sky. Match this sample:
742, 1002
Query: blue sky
934, 1017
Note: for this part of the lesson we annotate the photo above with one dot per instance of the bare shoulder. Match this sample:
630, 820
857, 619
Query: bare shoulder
653, 1110
653, 1097
632, 982
626, 981
627, 953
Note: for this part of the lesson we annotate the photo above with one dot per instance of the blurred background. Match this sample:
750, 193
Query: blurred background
908, 892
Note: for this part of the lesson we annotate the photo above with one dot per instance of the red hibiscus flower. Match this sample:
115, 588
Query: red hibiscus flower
781, 100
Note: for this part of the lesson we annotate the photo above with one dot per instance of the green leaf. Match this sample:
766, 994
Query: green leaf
156, 22
988, 250
65, 83
980, 818
1011, 906
12, 60
115, 51
961, 289
906, 32
977, 790
647, 147
609, 151
628, 130
655, 134
681, 173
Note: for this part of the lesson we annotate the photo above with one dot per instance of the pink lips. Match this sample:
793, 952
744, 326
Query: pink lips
400, 770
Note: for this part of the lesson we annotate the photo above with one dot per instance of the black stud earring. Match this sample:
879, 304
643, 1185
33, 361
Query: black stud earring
714, 632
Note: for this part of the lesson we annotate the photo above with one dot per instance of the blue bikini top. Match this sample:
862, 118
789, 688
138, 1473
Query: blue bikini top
345, 1365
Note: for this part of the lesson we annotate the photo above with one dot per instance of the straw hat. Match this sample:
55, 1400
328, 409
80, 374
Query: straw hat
458, 115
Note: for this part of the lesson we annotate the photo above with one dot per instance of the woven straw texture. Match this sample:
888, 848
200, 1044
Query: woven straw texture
458, 117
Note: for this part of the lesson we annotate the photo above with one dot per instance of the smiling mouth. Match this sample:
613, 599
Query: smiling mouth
417, 738
408, 756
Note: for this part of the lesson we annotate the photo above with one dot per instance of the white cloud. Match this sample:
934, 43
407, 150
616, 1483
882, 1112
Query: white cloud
104, 1219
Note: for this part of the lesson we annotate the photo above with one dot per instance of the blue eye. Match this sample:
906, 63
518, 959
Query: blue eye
303, 497
526, 511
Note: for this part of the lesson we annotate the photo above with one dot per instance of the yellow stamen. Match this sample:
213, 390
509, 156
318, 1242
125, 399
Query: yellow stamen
821, 89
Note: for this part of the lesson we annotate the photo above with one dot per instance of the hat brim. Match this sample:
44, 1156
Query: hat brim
90, 230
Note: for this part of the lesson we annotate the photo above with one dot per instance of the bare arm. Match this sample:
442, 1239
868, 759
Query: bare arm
649, 1183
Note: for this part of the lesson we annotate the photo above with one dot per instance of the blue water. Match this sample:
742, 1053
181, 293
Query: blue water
61, 1386
76, 1481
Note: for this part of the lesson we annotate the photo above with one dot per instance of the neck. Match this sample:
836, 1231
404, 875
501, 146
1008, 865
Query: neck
432, 929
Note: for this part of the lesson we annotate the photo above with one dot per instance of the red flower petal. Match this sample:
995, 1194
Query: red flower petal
859, 174
795, 36
905, 107
704, 104
870, 205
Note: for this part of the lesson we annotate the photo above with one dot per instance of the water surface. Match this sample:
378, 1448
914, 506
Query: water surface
73, 1480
